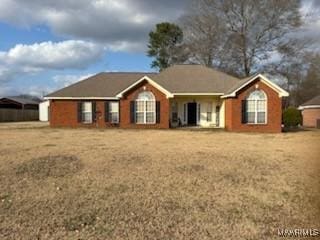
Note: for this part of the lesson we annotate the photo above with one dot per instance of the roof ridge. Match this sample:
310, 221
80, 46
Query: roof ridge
311, 101
204, 66
123, 72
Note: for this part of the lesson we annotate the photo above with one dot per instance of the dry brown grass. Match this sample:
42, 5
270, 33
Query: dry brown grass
135, 184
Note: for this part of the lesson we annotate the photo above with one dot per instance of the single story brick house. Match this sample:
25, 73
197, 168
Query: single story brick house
311, 112
181, 95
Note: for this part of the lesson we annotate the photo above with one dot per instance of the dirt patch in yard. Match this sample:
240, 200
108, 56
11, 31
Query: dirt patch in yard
116, 184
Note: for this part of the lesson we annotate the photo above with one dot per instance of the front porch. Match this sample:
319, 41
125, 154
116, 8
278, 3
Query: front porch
197, 112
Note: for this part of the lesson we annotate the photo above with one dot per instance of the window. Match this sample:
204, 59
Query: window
145, 108
199, 113
256, 107
217, 116
114, 112
209, 112
86, 112
174, 112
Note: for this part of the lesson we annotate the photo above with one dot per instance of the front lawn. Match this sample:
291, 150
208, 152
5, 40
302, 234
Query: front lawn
152, 184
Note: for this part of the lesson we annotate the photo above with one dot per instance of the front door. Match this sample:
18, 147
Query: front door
192, 113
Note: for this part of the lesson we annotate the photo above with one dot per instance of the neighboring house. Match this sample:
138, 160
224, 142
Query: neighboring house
311, 112
44, 107
14, 109
18, 103
182, 95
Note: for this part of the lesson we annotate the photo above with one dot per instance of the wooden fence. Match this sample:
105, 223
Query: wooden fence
18, 115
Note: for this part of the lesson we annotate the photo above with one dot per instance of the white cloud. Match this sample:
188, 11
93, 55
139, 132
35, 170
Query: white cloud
121, 25
68, 79
42, 89
30, 59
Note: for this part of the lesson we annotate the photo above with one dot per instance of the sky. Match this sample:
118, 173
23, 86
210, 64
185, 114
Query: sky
48, 44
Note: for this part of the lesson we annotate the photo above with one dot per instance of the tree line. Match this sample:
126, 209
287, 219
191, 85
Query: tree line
243, 37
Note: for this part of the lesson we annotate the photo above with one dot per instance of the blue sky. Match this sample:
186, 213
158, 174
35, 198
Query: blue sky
48, 44
46, 81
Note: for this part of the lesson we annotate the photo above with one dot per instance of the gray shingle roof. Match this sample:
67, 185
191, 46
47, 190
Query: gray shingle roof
195, 79
100, 85
239, 84
22, 100
313, 101
176, 79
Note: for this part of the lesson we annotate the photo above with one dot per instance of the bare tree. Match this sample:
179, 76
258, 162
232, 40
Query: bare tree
294, 66
238, 35
202, 34
310, 86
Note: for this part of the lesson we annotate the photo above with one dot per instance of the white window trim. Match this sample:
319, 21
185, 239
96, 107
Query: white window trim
149, 80
145, 111
281, 92
256, 110
111, 112
82, 112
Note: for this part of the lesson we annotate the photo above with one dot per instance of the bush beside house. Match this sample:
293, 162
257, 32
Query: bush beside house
292, 117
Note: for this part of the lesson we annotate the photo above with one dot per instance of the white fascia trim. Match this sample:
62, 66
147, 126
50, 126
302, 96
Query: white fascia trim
197, 94
149, 80
308, 107
282, 92
81, 98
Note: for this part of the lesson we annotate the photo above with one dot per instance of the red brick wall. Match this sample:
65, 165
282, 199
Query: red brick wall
310, 117
233, 113
64, 113
131, 96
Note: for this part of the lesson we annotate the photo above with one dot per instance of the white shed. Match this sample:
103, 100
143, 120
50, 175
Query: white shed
44, 111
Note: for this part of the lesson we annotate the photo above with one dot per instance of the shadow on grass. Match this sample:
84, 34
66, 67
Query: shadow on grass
296, 129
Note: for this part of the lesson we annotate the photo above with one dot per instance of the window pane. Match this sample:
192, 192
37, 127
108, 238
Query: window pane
150, 117
140, 106
146, 96
250, 117
257, 95
209, 116
150, 106
261, 105
251, 106
261, 117
114, 117
87, 117
114, 107
86, 107
140, 117
174, 117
